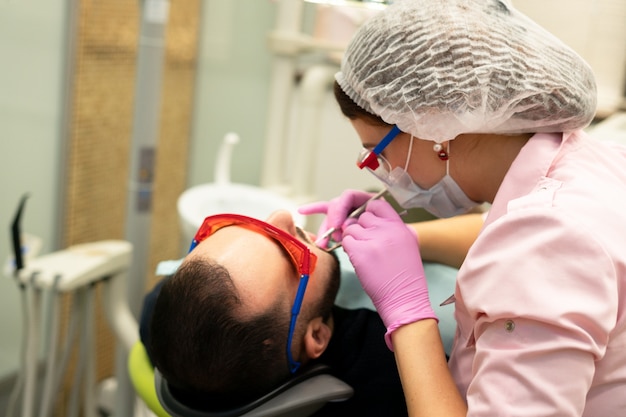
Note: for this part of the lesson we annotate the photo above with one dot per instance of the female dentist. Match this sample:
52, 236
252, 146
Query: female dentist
476, 103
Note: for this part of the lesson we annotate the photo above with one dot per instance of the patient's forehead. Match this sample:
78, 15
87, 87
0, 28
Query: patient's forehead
258, 266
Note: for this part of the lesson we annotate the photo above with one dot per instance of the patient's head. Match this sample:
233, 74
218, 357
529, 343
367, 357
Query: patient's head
221, 323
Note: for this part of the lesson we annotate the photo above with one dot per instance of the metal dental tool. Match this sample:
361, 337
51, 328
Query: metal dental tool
448, 300
356, 213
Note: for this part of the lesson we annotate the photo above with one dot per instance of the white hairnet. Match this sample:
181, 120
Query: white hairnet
440, 68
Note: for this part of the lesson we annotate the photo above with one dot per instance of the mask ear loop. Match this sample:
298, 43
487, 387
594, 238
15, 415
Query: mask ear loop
408, 157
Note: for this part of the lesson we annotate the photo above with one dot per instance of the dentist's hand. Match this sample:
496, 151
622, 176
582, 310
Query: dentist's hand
387, 261
337, 211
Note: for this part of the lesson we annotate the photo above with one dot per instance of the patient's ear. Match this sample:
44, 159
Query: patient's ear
317, 337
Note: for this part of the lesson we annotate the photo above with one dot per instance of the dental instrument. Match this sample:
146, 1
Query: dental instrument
356, 213
448, 300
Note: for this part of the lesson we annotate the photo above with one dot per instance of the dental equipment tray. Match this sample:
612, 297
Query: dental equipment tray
78, 265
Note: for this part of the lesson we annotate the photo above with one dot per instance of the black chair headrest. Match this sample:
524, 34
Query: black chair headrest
301, 395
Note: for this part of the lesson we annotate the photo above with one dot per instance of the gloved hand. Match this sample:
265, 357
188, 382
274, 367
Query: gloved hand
337, 211
387, 261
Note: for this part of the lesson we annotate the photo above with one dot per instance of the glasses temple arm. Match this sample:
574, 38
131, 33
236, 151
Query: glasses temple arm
385, 141
295, 310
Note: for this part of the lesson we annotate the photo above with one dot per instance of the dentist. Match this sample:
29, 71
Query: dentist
460, 102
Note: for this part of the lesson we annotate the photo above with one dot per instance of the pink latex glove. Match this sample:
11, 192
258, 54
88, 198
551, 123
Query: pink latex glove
337, 211
387, 261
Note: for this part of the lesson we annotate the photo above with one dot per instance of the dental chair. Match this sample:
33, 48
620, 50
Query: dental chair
300, 396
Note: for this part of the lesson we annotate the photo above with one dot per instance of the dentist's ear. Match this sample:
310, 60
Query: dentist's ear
317, 337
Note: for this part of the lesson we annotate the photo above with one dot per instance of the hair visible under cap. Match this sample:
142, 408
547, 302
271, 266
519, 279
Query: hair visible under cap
352, 110
438, 69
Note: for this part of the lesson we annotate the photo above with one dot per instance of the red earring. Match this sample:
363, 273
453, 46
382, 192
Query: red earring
441, 153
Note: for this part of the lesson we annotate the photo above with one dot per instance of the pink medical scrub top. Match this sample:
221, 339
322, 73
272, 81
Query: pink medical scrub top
541, 297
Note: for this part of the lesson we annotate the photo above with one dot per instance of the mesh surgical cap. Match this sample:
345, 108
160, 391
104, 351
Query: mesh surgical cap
440, 68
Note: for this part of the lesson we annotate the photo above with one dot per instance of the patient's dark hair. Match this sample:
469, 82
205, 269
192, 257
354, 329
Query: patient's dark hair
201, 345
352, 110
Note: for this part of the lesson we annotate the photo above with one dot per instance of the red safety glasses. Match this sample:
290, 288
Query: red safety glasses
299, 253
369, 159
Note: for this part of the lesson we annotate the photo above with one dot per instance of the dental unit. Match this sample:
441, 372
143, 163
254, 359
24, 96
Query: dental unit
76, 270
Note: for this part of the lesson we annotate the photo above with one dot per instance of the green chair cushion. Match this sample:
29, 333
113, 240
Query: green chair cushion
142, 376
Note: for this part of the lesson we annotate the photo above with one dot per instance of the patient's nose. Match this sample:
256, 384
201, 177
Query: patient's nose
283, 220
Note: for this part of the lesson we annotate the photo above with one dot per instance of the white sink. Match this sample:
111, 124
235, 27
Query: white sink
203, 200
223, 196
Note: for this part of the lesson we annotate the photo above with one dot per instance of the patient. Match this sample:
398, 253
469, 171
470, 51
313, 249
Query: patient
220, 324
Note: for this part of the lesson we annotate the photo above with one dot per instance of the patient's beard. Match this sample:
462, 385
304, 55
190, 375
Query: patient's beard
325, 305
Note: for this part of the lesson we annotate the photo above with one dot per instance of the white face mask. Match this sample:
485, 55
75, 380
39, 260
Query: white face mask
444, 199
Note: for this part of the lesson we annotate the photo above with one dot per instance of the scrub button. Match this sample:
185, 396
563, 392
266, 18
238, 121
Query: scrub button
509, 325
